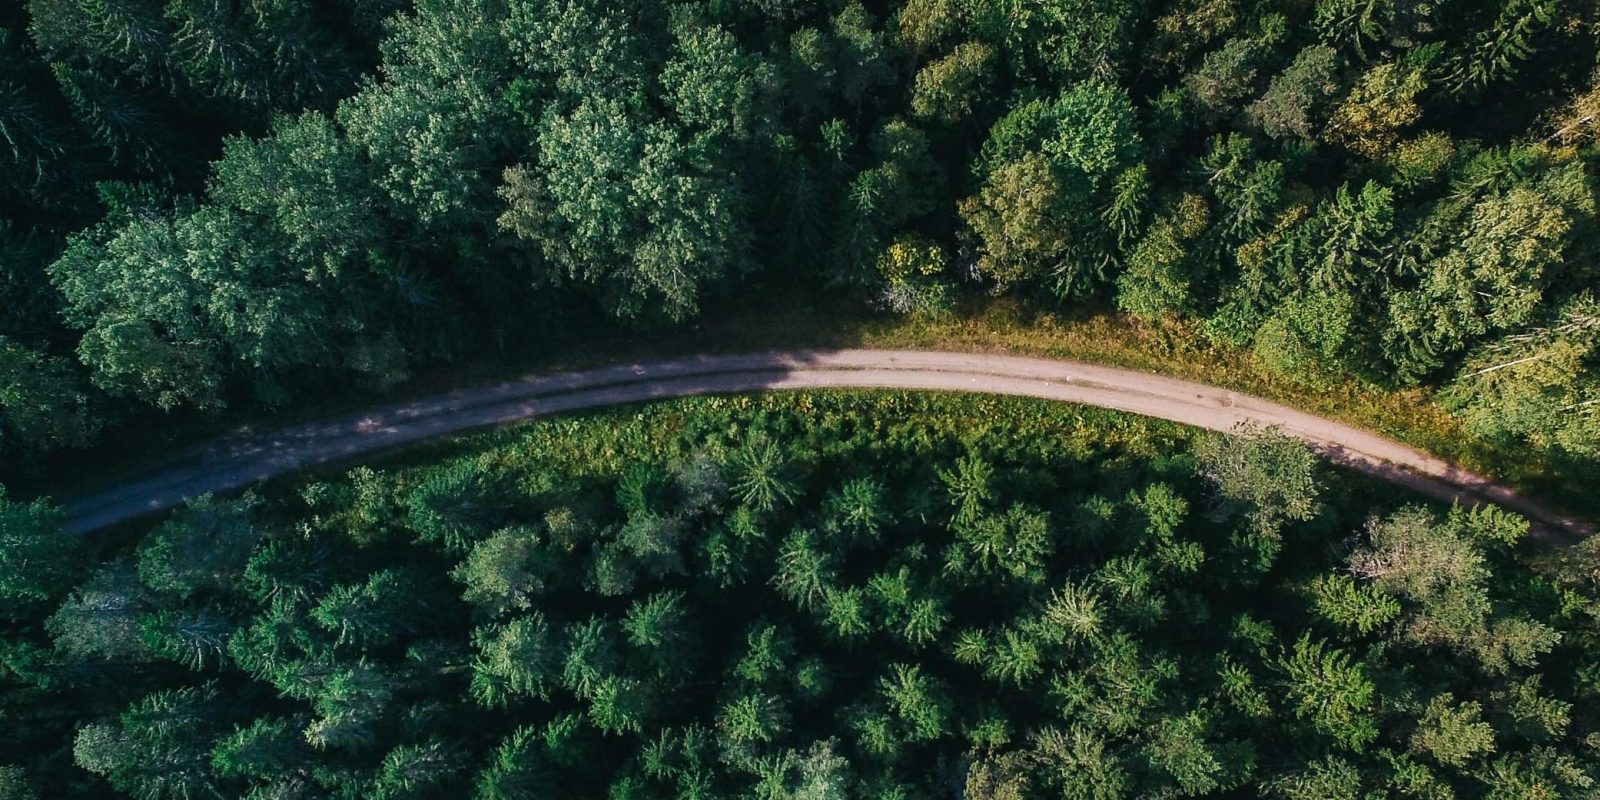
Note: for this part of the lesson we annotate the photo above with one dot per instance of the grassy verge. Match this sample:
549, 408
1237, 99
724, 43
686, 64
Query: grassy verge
793, 318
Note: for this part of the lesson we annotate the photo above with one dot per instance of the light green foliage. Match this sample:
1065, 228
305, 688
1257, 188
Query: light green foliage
923, 23
1492, 279
1273, 477
1495, 52
845, 613
415, 770
752, 718
915, 701
1361, 606
1047, 168
1423, 159
1382, 104
1452, 733
1073, 612
166, 302
912, 269
1179, 748
969, 487
1332, 690
1064, 39
519, 658
947, 90
269, 748
311, 186
1015, 543
1240, 688
1537, 385
1536, 715
895, 188
523, 761
805, 568
506, 571
760, 477
579, 48
623, 205
196, 639
373, 612
1441, 569
659, 626
1226, 75
860, 507
458, 506
711, 85
155, 748
1158, 280
1014, 218
1543, 773
1306, 335
818, 773
431, 130
1331, 778
592, 655
1093, 131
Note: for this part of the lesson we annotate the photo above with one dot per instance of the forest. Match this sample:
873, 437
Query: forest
224, 213
226, 207
818, 596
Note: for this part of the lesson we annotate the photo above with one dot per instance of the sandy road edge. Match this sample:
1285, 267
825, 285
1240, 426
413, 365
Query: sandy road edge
237, 461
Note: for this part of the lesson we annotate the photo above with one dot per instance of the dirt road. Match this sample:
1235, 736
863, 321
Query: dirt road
237, 461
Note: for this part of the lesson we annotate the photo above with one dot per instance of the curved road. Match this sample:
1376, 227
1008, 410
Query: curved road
236, 461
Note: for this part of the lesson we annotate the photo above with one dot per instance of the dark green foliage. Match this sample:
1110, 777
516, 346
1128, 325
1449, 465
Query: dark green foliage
203, 548
456, 507
160, 747
1016, 601
142, 88
235, 205
101, 619
44, 402
1400, 192
1051, 170
270, 750
37, 563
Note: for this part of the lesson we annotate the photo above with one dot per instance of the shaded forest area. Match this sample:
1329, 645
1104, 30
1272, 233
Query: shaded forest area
236, 204
819, 596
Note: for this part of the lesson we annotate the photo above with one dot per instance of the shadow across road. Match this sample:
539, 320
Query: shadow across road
236, 461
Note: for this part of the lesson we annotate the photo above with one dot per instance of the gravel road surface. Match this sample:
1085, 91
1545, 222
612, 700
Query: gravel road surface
239, 460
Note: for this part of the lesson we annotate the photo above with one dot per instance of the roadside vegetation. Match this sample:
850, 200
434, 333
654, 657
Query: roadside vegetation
818, 595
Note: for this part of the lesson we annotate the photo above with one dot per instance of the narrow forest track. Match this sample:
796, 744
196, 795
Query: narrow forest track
239, 460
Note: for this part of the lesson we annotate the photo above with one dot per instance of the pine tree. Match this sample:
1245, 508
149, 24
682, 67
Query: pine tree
1332, 690
520, 658
38, 563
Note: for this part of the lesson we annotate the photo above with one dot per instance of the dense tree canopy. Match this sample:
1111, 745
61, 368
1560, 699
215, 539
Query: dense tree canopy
225, 204
209, 206
820, 596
